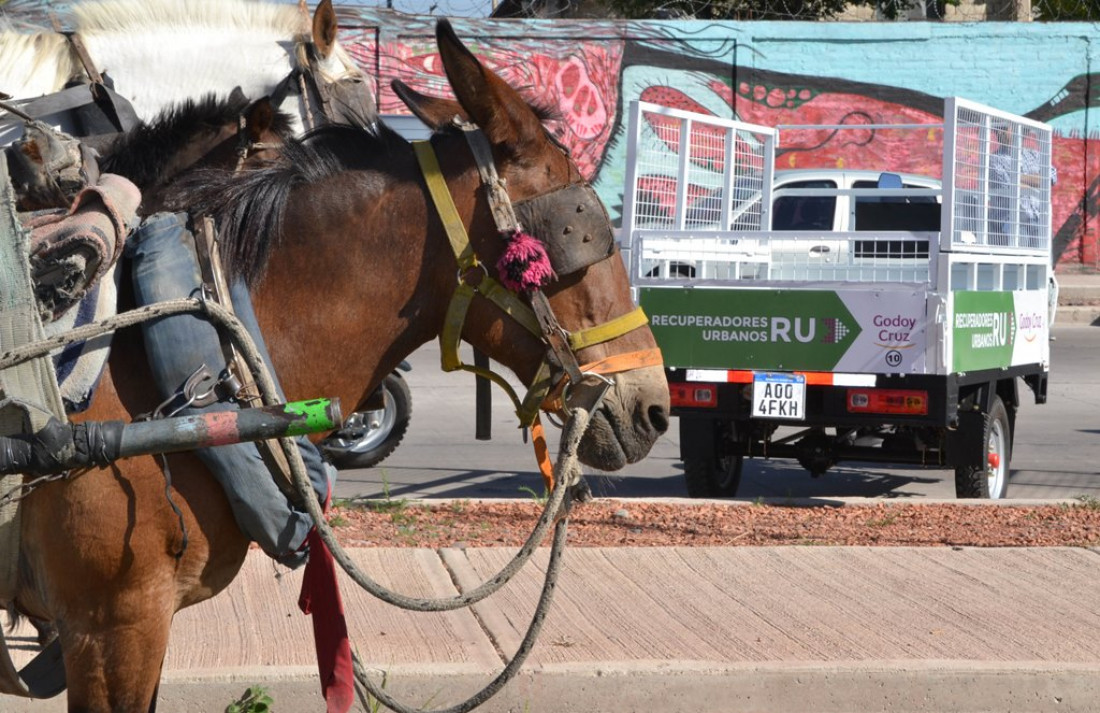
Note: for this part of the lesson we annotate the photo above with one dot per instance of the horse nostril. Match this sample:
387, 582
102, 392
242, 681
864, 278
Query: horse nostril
658, 418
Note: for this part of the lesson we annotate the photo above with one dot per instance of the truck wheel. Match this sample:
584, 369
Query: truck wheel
990, 480
710, 470
710, 477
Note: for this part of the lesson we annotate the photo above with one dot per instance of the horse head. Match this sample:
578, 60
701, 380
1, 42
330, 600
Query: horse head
340, 90
600, 333
204, 133
351, 209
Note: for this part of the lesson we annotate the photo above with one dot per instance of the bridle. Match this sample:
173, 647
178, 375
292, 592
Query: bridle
573, 225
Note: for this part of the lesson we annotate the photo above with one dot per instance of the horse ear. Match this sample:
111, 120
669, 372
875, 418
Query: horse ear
324, 28
259, 118
436, 112
493, 105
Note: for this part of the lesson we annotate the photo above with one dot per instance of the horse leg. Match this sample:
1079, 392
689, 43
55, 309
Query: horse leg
116, 667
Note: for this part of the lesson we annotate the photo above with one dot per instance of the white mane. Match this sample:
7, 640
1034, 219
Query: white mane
159, 52
109, 16
33, 64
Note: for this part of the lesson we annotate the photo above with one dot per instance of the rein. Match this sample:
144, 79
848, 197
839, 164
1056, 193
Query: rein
560, 368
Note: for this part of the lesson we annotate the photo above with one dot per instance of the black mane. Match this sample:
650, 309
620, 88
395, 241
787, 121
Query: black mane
143, 154
249, 205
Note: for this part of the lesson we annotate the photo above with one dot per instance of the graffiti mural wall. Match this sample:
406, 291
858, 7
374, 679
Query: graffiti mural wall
775, 74
770, 73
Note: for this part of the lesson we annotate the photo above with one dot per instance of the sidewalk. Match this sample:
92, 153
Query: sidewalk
730, 630
1078, 299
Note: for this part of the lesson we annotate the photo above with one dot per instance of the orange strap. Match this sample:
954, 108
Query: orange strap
613, 364
625, 362
542, 454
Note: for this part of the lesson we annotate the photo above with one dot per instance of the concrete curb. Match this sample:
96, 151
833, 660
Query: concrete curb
684, 687
1077, 315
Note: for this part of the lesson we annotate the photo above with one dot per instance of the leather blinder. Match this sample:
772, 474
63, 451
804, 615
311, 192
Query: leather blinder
573, 225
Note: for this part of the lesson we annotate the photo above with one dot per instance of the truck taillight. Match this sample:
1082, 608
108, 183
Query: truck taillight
896, 401
705, 395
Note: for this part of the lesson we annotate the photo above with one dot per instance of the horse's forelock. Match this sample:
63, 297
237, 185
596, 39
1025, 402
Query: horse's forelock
134, 16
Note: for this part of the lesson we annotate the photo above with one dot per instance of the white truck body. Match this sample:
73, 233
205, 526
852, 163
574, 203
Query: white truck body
838, 283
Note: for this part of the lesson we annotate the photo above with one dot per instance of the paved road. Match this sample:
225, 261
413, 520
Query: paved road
1057, 453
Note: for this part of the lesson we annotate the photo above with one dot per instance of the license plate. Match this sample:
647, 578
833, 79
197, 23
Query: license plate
780, 396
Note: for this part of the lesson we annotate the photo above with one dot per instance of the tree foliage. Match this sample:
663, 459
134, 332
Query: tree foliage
752, 9
1067, 10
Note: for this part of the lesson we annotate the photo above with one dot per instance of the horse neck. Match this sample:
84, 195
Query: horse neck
341, 308
159, 52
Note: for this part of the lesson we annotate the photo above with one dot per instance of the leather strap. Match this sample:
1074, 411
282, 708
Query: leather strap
499, 203
608, 330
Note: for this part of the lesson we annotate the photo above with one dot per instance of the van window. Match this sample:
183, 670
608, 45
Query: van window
914, 213
804, 212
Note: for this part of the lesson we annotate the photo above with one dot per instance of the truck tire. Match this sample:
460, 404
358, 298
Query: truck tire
990, 480
710, 471
712, 477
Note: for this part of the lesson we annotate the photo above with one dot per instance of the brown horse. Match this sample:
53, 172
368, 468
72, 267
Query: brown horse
358, 274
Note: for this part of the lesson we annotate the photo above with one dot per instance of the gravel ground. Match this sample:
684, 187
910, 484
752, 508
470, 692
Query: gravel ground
623, 523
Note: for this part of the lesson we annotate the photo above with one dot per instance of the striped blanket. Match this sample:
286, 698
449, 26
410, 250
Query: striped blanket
80, 365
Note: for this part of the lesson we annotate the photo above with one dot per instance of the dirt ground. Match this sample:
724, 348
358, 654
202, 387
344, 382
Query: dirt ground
624, 523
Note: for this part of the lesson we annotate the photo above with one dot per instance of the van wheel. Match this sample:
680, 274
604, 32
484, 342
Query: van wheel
990, 480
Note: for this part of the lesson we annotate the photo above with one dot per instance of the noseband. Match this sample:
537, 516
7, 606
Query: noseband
573, 225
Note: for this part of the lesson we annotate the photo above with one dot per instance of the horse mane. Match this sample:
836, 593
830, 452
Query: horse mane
143, 154
25, 56
249, 205
137, 16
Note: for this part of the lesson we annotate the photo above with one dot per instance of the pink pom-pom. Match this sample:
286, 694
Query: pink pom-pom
524, 266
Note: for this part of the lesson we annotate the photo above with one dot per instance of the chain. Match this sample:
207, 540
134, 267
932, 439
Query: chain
25, 488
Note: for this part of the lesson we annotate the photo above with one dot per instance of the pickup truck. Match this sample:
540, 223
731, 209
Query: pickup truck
842, 315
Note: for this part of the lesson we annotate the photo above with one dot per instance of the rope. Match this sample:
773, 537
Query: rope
553, 509
568, 475
568, 467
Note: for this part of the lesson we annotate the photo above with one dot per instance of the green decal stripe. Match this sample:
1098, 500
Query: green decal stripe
749, 329
983, 330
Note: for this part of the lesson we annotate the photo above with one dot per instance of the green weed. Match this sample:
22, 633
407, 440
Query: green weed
1089, 502
540, 499
253, 700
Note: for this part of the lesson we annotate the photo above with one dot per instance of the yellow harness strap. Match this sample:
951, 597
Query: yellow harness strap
445, 205
608, 330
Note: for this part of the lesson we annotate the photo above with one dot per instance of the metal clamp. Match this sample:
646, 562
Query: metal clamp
607, 383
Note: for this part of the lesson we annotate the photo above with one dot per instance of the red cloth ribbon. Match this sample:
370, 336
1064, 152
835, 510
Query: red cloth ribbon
321, 598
